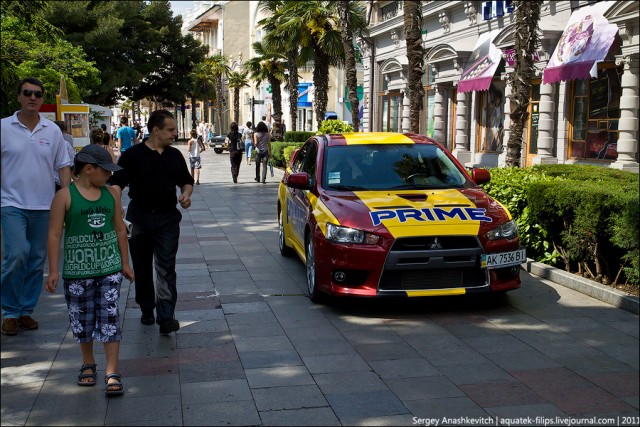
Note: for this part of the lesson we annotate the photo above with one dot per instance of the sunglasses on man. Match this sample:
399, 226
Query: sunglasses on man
28, 93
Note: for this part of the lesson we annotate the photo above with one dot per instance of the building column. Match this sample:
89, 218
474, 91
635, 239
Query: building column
438, 116
546, 125
628, 124
405, 122
462, 137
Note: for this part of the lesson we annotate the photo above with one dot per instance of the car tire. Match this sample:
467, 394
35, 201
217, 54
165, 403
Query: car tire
217, 150
312, 289
284, 249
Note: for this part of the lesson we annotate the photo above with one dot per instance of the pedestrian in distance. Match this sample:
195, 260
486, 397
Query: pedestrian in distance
68, 139
32, 147
195, 146
236, 148
126, 135
262, 145
152, 170
97, 137
91, 215
106, 139
247, 136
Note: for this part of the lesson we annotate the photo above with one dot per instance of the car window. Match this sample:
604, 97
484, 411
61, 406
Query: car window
309, 163
390, 166
296, 166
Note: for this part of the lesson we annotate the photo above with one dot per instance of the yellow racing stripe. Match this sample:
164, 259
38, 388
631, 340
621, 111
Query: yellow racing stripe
321, 213
376, 138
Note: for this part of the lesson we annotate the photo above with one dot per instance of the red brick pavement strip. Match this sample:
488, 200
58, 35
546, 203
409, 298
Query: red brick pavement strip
148, 366
218, 353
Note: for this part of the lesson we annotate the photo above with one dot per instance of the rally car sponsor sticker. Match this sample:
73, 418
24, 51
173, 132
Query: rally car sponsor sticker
503, 259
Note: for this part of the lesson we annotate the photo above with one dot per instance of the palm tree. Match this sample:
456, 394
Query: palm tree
269, 66
219, 69
413, 37
344, 15
527, 17
204, 88
237, 80
283, 36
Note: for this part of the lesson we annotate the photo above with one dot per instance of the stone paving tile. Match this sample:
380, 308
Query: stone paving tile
294, 397
349, 382
348, 362
144, 409
215, 391
546, 410
147, 386
277, 342
147, 366
246, 307
280, 376
218, 353
259, 330
269, 359
250, 318
81, 419
478, 373
501, 394
389, 420
438, 408
452, 356
622, 384
367, 404
390, 351
502, 343
423, 388
300, 417
210, 371
221, 413
584, 401
404, 368
204, 339
522, 360
323, 347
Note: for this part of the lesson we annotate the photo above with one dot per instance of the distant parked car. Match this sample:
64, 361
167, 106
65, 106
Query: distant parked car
219, 142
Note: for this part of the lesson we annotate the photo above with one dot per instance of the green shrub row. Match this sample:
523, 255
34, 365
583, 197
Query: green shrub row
582, 218
278, 152
297, 136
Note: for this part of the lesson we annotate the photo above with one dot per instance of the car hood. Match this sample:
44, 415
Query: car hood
412, 213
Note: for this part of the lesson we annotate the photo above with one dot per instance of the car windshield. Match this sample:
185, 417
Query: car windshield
390, 166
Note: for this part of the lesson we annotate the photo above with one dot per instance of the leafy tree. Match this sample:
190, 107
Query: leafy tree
527, 17
204, 88
219, 67
237, 80
413, 37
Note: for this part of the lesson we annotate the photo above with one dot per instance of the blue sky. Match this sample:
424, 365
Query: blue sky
180, 7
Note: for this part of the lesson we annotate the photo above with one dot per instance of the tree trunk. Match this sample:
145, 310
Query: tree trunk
350, 61
526, 34
194, 124
277, 108
292, 65
321, 84
236, 104
219, 104
413, 37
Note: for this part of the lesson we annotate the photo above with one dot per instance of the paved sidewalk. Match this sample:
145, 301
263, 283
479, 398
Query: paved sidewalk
253, 350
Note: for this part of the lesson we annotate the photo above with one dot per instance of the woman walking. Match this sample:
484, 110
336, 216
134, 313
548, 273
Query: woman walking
236, 147
247, 136
262, 144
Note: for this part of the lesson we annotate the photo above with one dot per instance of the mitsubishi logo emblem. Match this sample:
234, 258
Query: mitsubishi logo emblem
435, 244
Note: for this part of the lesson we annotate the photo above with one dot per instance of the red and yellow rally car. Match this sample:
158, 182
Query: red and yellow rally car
375, 214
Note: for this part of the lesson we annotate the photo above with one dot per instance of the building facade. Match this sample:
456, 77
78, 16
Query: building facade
576, 114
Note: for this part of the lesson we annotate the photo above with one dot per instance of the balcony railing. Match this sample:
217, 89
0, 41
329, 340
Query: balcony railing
389, 11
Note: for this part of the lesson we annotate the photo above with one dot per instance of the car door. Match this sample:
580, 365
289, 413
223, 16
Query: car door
298, 204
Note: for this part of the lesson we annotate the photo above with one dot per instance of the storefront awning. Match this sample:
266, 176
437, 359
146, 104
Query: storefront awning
585, 41
482, 65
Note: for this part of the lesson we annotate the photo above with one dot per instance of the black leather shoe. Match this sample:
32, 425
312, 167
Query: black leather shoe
147, 318
172, 326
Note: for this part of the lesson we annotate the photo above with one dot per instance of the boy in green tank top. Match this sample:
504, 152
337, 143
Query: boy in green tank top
96, 258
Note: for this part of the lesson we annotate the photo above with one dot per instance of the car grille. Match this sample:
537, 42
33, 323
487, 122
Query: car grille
435, 262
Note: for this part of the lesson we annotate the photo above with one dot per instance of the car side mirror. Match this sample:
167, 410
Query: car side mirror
480, 176
298, 180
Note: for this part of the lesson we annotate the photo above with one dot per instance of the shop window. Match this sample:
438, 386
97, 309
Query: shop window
595, 116
426, 115
532, 123
391, 107
491, 120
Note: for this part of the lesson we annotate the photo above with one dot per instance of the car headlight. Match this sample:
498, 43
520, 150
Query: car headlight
508, 230
339, 234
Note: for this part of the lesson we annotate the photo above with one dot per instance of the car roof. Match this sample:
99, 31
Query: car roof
361, 138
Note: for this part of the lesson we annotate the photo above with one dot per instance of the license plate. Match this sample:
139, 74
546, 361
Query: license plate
503, 259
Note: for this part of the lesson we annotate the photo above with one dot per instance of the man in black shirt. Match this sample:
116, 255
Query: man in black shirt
152, 170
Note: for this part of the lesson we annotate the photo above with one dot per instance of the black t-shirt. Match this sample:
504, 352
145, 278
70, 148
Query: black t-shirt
152, 177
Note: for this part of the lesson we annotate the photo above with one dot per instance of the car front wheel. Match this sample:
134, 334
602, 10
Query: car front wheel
314, 294
217, 150
282, 238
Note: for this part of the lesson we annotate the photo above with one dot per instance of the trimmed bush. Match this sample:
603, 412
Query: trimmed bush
583, 218
277, 152
288, 151
334, 126
297, 136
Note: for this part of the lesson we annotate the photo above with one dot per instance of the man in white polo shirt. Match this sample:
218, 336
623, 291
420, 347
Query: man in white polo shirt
32, 147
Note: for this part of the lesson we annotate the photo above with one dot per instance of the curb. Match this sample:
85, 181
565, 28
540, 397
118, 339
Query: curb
588, 287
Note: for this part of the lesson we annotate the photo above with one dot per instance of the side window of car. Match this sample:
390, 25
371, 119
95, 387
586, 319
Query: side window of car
296, 166
310, 160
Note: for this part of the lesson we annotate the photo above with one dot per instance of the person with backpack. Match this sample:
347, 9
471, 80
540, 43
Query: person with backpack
195, 146
262, 144
236, 147
247, 137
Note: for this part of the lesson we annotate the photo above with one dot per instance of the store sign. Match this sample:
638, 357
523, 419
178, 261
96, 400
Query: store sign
304, 95
510, 57
495, 9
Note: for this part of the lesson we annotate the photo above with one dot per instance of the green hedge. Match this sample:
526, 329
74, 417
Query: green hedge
278, 152
583, 218
297, 136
